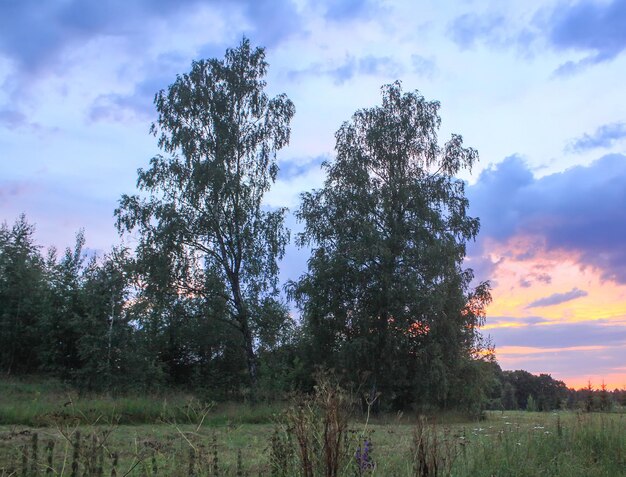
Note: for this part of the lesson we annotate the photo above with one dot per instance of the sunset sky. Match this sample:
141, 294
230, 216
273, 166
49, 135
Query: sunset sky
537, 87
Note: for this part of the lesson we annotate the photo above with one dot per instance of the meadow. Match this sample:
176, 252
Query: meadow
47, 429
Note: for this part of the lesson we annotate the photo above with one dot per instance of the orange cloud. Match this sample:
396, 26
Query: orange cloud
525, 273
561, 291
505, 351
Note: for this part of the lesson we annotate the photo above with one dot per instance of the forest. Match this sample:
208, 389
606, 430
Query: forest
386, 304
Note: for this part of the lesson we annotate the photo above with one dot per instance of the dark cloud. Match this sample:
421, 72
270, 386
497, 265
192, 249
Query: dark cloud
604, 136
481, 264
368, 65
593, 348
589, 26
562, 335
565, 364
504, 320
558, 298
34, 33
495, 197
578, 210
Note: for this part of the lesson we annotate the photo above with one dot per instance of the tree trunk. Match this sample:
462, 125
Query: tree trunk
243, 319
250, 355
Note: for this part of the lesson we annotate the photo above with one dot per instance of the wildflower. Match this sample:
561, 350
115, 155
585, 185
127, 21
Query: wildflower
363, 458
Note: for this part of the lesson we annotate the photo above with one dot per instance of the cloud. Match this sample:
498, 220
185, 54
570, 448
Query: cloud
272, 22
604, 136
295, 176
294, 168
558, 298
528, 280
43, 39
423, 66
140, 102
344, 10
369, 65
466, 30
594, 28
543, 277
579, 210
505, 321
565, 350
588, 26
35, 34
538, 334
12, 119
156, 74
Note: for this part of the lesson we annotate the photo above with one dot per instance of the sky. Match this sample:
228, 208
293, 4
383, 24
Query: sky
537, 87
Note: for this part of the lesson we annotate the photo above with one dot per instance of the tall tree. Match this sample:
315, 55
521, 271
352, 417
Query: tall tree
204, 213
63, 322
22, 296
385, 295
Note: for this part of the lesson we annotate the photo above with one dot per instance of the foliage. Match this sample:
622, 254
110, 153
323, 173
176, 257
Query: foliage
203, 232
516, 444
544, 392
432, 454
385, 294
312, 437
22, 293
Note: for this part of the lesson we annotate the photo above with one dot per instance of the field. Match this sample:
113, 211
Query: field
49, 430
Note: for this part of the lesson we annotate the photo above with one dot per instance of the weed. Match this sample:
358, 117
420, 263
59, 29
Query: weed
433, 454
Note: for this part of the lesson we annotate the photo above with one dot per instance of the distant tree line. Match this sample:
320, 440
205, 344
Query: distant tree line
385, 302
521, 390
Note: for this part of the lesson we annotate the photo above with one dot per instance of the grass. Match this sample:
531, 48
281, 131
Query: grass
558, 444
510, 444
178, 435
44, 403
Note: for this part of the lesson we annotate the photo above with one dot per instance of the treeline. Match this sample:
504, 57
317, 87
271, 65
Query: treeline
521, 390
85, 320
94, 321
385, 302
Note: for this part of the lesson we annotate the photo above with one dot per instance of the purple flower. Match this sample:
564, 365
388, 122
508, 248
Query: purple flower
363, 458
